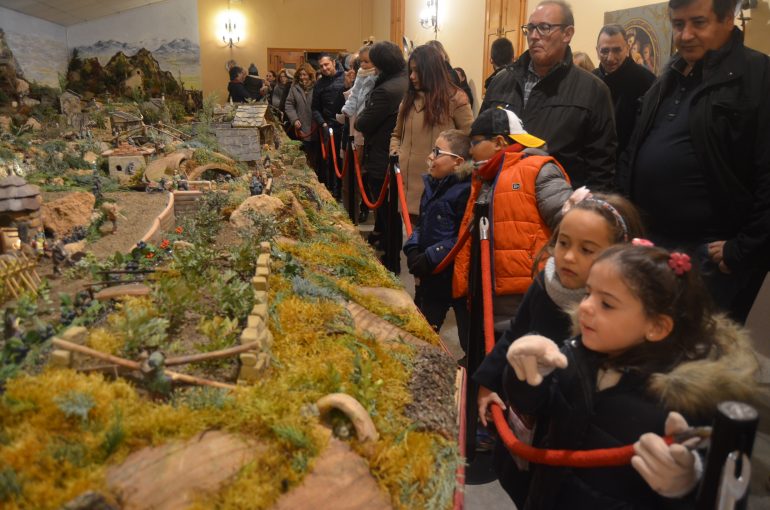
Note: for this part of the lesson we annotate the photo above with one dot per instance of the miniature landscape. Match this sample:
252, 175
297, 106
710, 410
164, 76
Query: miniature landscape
191, 321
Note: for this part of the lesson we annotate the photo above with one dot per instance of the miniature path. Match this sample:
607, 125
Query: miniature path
140, 209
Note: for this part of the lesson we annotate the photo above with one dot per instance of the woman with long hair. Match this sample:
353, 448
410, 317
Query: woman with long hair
432, 104
299, 112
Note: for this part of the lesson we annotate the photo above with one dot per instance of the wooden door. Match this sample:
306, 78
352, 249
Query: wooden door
504, 19
397, 21
280, 58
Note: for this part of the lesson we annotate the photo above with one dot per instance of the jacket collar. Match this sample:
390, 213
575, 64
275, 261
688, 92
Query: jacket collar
718, 65
559, 67
627, 64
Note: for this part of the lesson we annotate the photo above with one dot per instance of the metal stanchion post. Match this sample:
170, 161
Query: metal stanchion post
350, 164
735, 428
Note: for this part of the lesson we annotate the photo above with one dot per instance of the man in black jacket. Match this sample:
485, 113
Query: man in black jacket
698, 163
559, 102
327, 102
627, 80
501, 55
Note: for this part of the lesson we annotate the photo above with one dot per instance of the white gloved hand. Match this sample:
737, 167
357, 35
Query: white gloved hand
341, 117
578, 195
533, 357
671, 470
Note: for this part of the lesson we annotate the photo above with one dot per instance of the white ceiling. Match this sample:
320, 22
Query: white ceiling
71, 12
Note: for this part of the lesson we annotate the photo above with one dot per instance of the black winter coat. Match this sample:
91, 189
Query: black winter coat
378, 119
580, 418
730, 128
238, 93
571, 110
328, 99
627, 84
442, 207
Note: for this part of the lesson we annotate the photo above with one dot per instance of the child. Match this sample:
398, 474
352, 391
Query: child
525, 189
648, 345
363, 85
442, 205
588, 227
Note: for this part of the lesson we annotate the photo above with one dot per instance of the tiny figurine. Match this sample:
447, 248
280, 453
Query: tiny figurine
97, 187
111, 213
10, 324
59, 257
255, 186
163, 183
40, 244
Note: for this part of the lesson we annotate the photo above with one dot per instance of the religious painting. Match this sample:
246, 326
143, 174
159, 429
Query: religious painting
649, 34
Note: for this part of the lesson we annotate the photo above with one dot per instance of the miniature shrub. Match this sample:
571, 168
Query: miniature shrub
139, 326
233, 296
172, 296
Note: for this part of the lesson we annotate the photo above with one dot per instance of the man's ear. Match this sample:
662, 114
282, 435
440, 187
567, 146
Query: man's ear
569, 32
659, 328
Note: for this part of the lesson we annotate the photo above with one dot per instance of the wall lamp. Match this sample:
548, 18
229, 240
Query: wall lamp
231, 37
429, 16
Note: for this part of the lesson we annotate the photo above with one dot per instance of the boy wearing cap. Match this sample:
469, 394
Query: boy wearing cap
525, 189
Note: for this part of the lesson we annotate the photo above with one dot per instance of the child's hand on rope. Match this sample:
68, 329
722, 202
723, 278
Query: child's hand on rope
534, 357
671, 470
485, 400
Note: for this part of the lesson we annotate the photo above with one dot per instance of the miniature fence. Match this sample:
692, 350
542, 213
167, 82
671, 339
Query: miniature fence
17, 275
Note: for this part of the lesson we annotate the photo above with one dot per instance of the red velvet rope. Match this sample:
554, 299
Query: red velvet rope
339, 174
602, 457
364, 195
299, 133
323, 144
402, 199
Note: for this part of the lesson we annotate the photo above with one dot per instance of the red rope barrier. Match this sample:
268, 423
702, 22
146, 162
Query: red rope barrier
339, 174
364, 194
454, 251
402, 198
602, 457
323, 144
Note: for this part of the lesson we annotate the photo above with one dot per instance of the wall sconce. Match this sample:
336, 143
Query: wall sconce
231, 37
429, 16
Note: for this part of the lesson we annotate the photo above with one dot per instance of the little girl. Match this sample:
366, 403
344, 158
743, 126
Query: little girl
587, 228
442, 205
648, 344
354, 105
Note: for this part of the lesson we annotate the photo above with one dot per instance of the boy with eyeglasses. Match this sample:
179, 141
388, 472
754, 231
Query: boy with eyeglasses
442, 205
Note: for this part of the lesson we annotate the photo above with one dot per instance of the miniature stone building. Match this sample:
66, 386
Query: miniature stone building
20, 205
123, 121
71, 107
126, 161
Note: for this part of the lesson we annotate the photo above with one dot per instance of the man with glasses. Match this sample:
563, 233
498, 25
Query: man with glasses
698, 163
559, 102
627, 80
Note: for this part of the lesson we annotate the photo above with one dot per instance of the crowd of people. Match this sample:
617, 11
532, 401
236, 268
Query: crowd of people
633, 207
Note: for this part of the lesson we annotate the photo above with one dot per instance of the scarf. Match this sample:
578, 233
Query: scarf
563, 297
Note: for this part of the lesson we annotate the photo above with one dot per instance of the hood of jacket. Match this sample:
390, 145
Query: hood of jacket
727, 373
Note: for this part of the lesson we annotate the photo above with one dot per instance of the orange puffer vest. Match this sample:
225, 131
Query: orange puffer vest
517, 232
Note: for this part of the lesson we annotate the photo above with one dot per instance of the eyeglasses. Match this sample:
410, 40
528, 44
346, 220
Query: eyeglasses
438, 152
605, 52
542, 28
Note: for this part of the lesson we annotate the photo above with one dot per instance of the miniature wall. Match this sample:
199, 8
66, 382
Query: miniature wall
39, 47
331, 24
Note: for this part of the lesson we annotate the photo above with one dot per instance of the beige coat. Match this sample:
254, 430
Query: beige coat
413, 140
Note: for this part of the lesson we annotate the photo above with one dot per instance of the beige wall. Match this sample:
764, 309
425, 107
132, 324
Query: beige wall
461, 31
758, 29
307, 24
381, 20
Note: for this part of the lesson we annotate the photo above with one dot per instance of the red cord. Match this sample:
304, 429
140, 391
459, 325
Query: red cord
454, 251
602, 457
339, 174
402, 199
364, 194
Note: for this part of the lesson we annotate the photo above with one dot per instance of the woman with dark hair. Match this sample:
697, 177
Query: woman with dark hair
236, 89
432, 104
378, 118
440, 47
460, 73
280, 90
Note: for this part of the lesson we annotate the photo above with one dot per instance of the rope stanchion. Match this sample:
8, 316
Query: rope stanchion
603, 457
455, 250
323, 144
362, 188
402, 200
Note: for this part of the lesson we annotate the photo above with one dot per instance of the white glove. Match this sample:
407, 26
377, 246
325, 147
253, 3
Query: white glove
341, 117
578, 195
533, 357
485, 400
671, 470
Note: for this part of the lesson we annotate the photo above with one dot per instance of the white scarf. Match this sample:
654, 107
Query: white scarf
563, 297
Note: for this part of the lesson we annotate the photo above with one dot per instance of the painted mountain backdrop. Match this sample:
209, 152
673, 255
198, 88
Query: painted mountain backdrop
180, 56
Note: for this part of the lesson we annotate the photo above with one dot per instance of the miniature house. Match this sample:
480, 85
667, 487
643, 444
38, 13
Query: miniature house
20, 205
122, 121
126, 162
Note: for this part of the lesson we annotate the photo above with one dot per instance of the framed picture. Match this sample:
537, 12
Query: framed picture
649, 34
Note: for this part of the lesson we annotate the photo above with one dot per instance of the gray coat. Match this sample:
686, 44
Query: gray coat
298, 107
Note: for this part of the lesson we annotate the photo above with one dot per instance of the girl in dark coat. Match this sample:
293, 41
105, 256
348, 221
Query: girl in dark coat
591, 224
442, 206
648, 345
